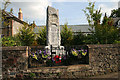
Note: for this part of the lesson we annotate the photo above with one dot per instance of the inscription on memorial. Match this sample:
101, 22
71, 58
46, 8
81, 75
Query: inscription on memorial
54, 36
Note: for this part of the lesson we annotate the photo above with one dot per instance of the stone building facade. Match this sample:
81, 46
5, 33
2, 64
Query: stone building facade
13, 23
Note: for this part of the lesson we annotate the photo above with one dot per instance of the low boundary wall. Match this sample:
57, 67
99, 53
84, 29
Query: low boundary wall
103, 59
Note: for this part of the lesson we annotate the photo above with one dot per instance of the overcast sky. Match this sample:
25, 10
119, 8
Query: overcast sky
69, 11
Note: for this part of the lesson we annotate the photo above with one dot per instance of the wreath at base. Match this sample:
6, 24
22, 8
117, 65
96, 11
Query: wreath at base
57, 59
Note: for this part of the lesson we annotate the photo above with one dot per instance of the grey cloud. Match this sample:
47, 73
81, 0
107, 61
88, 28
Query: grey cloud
32, 10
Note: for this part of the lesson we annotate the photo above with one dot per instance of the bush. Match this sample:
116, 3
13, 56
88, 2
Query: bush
116, 42
41, 40
102, 32
10, 41
66, 35
32, 75
26, 35
79, 39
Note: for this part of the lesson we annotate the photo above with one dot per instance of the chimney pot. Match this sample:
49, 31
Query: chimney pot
20, 15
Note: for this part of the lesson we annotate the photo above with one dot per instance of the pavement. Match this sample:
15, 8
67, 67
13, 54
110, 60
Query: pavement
110, 75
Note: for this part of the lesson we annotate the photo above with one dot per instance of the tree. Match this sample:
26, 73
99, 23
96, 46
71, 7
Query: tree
89, 39
41, 40
66, 35
102, 32
6, 3
79, 39
115, 13
26, 35
110, 33
5, 20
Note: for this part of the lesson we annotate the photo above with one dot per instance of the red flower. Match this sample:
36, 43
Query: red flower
57, 59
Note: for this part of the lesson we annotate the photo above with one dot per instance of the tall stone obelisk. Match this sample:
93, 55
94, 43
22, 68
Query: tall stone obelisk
53, 31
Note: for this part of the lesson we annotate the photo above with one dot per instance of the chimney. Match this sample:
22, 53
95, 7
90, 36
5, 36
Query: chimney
20, 15
34, 25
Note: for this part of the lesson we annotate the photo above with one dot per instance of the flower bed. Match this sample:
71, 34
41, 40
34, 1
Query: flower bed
40, 58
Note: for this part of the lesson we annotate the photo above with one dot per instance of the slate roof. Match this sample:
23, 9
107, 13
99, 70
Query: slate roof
8, 15
75, 28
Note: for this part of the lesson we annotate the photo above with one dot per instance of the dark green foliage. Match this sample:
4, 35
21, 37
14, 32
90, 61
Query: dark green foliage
10, 41
49, 62
89, 39
115, 13
32, 75
66, 35
41, 40
116, 42
26, 35
106, 32
5, 20
102, 32
79, 39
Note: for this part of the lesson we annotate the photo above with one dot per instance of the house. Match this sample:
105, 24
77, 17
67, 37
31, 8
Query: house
116, 21
116, 17
11, 24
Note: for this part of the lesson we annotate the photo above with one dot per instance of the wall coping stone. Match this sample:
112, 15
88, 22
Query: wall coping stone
103, 45
20, 47
89, 46
55, 67
14, 48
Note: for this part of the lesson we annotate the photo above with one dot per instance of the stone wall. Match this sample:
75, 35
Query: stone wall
103, 59
14, 60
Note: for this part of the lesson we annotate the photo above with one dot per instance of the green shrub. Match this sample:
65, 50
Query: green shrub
79, 39
26, 35
102, 32
10, 41
116, 42
66, 35
32, 75
41, 40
